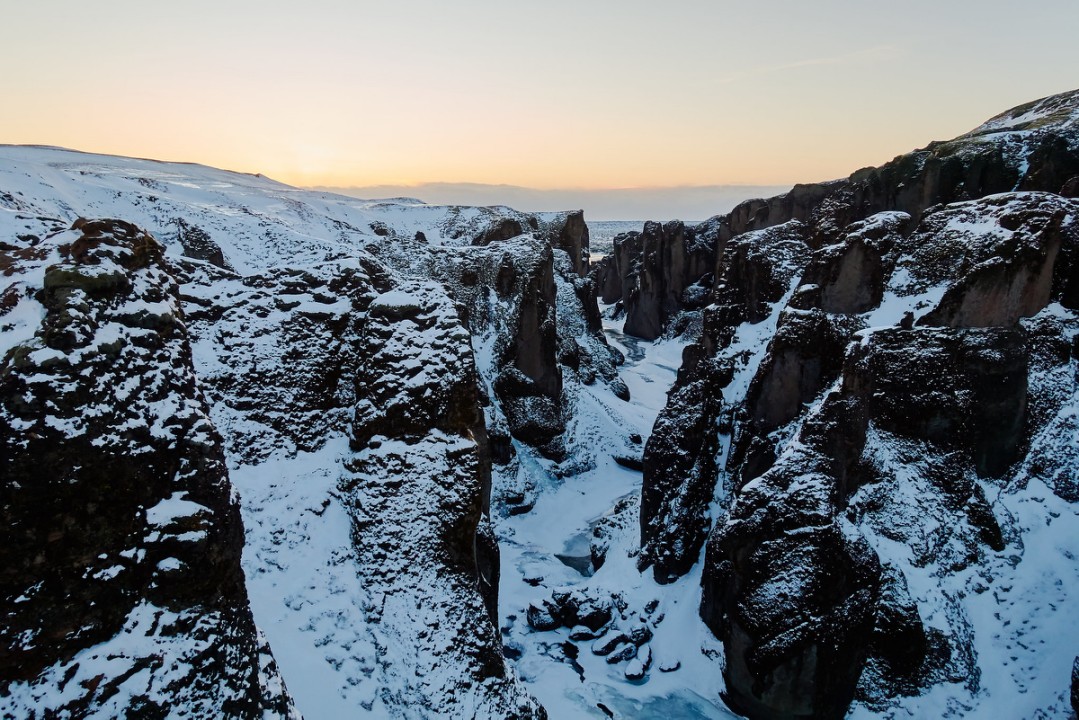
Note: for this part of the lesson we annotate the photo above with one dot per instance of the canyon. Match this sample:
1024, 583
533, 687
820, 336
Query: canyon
273, 452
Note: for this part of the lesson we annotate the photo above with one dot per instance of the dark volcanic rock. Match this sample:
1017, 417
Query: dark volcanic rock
1052, 427
198, 244
796, 617
757, 269
960, 395
997, 254
899, 638
680, 469
285, 383
121, 539
805, 354
781, 572
583, 351
418, 491
608, 281
1075, 686
508, 294
971, 391
501, 229
848, 276
570, 233
680, 478
626, 254
570, 608
415, 331
1000, 259
1010, 152
908, 423
672, 257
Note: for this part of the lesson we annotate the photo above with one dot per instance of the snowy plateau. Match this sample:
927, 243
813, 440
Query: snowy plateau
278, 453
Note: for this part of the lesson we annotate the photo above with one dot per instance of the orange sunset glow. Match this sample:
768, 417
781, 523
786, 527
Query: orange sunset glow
552, 95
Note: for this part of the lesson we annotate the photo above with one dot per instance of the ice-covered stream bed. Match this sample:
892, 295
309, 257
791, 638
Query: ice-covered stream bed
548, 548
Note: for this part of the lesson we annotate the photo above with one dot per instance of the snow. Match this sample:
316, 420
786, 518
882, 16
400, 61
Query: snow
258, 223
1016, 602
173, 508
749, 346
305, 590
133, 658
564, 512
649, 371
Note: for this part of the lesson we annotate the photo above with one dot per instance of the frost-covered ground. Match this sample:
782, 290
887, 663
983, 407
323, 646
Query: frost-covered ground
303, 581
560, 524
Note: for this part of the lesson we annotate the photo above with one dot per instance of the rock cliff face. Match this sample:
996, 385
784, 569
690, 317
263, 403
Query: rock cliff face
531, 310
871, 442
892, 380
656, 273
1033, 147
279, 349
418, 490
302, 320
569, 232
364, 363
680, 458
121, 537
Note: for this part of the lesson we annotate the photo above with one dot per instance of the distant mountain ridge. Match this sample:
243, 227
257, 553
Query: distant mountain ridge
615, 204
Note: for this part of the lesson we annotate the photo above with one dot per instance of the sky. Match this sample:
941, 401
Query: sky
644, 203
582, 95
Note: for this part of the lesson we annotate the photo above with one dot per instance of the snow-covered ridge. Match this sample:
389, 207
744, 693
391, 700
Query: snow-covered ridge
1056, 112
279, 289
257, 223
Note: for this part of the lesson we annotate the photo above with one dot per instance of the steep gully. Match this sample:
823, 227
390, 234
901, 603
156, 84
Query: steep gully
794, 485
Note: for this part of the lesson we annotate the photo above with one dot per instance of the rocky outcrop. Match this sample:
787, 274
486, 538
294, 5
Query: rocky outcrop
806, 352
912, 364
791, 590
989, 276
967, 409
121, 538
287, 323
680, 458
613, 269
1075, 686
848, 276
1007, 274
569, 232
500, 229
418, 491
532, 310
279, 350
672, 259
604, 623
1004, 269
1034, 147
509, 298
198, 244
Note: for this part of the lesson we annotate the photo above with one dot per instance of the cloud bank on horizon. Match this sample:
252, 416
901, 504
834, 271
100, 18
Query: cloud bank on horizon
658, 203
